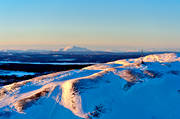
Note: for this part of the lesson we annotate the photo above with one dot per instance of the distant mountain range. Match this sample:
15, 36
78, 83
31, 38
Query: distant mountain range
77, 49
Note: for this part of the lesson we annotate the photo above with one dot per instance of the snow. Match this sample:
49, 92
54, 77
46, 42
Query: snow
142, 88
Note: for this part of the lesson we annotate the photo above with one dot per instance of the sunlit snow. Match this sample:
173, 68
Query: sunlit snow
142, 88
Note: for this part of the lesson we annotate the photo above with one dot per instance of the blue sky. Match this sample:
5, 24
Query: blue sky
96, 24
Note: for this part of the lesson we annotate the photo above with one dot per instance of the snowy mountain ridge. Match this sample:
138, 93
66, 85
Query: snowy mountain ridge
142, 88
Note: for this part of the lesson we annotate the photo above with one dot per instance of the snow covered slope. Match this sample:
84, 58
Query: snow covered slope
143, 88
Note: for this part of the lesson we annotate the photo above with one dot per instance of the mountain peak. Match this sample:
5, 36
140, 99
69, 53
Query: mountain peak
74, 49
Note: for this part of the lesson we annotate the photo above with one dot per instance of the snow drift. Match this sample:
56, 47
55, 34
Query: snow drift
142, 88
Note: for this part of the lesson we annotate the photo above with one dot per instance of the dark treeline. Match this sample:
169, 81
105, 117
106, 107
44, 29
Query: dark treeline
74, 57
5, 79
39, 68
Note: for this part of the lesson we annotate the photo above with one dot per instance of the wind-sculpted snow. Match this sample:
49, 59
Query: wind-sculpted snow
142, 88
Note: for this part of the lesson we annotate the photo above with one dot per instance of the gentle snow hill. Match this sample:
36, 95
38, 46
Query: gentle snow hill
143, 88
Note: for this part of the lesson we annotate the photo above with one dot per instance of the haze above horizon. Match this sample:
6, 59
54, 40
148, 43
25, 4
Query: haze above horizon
95, 24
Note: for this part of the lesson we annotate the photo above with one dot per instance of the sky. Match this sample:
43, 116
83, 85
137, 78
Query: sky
95, 24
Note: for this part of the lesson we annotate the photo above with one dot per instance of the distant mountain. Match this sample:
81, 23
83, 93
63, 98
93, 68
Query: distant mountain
142, 88
74, 49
